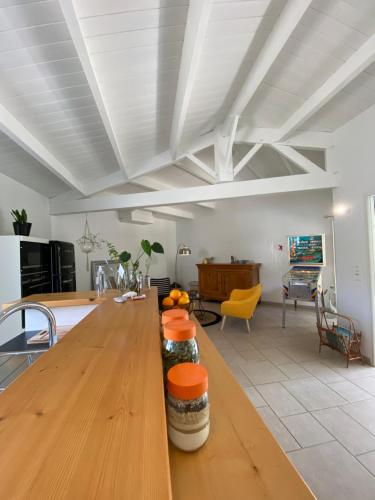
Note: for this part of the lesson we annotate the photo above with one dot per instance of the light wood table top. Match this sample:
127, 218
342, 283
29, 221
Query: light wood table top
241, 459
65, 299
87, 420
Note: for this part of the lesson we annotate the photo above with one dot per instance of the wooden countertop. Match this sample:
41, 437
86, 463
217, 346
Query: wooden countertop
65, 299
241, 459
87, 420
229, 265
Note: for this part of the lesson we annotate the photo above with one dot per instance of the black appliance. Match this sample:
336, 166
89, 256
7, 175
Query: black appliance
63, 266
35, 268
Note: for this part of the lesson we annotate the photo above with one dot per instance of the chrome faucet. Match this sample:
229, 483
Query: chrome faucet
21, 306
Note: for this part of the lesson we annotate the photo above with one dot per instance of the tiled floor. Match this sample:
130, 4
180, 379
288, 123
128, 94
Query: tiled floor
321, 413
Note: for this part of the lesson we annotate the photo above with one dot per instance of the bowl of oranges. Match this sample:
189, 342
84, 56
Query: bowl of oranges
176, 299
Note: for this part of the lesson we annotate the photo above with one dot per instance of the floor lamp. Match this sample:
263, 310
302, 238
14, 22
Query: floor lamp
182, 249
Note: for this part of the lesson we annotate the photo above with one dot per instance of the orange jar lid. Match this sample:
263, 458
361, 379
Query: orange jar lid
173, 314
180, 330
187, 381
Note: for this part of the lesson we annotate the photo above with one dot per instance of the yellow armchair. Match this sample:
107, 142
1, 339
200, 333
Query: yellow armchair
241, 304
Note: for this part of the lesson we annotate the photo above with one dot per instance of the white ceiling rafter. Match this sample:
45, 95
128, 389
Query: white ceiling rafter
303, 139
74, 28
223, 149
207, 179
201, 165
246, 159
226, 190
299, 159
195, 34
178, 213
19, 134
156, 185
283, 28
351, 68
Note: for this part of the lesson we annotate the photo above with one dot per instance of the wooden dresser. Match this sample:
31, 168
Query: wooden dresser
216, 281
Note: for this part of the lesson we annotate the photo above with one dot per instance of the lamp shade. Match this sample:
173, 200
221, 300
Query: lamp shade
184, 250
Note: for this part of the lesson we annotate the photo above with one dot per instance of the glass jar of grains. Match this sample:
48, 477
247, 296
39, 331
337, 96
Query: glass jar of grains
179, 344
187, 406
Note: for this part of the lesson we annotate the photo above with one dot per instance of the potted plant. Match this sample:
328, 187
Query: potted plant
131, 267
20, 224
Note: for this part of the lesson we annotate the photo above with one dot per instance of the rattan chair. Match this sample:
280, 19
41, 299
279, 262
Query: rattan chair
339, 333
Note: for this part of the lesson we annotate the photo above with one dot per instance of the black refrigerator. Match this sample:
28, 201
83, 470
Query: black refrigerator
63, 267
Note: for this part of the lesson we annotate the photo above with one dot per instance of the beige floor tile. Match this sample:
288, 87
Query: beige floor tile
368, 384
294, 370
280, 400
333, 473
262, 372
240, 376
351, 435
276, 356
255, 397
306, 430
278, 429
350, 391
322, 372
368, 460
313, 394
251, 355
363, 412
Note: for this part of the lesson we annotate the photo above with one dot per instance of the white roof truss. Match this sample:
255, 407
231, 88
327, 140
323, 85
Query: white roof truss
75, 32
195, 33
357, 63
226, 190
19, 134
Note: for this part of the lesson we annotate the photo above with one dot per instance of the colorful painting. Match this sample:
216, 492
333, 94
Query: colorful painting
306, 250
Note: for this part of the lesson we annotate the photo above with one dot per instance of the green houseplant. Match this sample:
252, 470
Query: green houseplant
131, 267
20, 224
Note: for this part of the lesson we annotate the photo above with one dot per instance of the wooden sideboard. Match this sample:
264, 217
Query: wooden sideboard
216, 281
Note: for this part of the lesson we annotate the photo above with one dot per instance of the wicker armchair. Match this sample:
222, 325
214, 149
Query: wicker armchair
339, 333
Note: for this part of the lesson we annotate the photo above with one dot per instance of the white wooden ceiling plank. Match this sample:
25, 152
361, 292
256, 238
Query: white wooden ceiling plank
357, 63
135, 20
17, 132
33, 36
195, 33
77, 37
284, 27
238, 10
33, 14
133, 39
194, 194
86, 8
41, 70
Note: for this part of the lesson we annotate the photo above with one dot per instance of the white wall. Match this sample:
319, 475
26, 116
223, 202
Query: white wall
251, 228
15, 195
123, 235
353, 157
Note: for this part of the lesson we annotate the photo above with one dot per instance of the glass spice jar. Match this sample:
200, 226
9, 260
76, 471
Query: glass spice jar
179, 344
187, 406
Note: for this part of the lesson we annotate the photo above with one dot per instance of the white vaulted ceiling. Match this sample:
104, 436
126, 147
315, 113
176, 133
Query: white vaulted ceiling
123, 96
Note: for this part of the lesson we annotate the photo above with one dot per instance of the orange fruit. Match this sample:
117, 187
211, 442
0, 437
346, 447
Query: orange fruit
183, 300
168, 302
175, 294
184, 294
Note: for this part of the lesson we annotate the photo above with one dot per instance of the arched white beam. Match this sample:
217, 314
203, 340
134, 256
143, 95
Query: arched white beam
247, 158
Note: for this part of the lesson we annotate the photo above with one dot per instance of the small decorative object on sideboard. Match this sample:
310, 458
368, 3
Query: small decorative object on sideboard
187, 406
20, 224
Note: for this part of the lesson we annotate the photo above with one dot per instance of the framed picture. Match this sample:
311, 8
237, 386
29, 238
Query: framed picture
110, 272
307, 250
